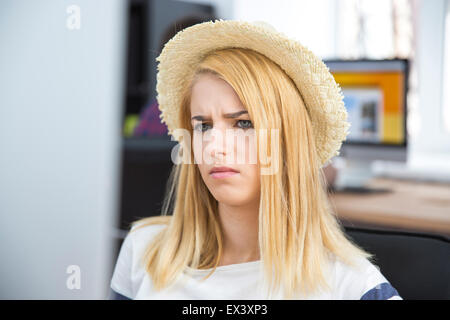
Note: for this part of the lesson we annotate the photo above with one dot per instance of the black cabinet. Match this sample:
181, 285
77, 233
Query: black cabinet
146, 162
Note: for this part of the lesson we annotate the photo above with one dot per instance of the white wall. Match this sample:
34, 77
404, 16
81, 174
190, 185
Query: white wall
432, 139
61, 91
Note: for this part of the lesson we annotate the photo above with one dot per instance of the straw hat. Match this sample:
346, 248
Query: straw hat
320, 92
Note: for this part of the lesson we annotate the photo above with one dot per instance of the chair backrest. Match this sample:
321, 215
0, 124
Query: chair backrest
416, 264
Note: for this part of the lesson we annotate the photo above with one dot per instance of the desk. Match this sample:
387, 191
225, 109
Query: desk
414, 206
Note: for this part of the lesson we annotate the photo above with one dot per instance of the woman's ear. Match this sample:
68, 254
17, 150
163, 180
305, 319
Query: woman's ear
330, 173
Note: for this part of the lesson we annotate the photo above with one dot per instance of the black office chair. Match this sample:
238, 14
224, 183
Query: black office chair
416, 264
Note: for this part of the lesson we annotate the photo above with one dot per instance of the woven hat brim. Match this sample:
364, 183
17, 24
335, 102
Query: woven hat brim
321, 94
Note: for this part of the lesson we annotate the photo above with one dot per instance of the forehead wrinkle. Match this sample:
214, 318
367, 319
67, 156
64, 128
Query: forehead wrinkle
218, 94
230, 115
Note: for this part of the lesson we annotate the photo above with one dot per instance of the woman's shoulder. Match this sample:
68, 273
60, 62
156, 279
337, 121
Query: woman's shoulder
144, 230
150, 223
352, 267
361, 279
128, 271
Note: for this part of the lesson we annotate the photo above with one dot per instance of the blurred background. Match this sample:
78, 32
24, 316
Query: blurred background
83, 152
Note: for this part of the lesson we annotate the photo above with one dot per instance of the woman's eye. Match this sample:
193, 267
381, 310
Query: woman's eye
201, 127
245, 124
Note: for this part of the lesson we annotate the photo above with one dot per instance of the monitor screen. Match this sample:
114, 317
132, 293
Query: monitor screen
375, 97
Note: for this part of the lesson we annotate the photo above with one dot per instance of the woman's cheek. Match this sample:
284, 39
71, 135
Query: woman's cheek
197, 148
251, 150
197, 155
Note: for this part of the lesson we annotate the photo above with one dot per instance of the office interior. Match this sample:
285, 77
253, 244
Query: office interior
83, 153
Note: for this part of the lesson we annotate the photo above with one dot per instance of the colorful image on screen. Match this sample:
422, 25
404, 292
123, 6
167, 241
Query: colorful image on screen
375, 103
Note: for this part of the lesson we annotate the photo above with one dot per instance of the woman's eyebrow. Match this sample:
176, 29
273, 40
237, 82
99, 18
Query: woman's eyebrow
226, 115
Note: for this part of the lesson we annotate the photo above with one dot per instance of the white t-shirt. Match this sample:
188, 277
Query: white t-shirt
235, 282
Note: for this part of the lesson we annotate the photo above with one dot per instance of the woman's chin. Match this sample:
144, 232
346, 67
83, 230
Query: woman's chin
234, 199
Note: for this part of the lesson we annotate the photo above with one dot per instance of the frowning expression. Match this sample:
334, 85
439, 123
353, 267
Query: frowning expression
224, 141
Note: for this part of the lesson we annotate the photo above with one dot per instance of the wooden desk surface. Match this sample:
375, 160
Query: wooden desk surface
418, 206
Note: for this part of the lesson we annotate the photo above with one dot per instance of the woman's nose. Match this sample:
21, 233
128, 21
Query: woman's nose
220, 143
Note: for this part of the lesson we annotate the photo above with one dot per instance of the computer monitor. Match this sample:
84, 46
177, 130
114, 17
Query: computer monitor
375, 94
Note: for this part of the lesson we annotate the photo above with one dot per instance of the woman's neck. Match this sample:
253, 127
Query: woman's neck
240, 233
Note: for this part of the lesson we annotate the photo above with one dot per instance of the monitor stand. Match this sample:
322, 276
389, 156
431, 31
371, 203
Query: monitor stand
354, 176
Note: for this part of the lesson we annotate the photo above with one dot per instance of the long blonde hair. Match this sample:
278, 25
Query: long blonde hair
298, 229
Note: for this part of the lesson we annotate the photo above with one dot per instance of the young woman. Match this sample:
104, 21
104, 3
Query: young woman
261, 228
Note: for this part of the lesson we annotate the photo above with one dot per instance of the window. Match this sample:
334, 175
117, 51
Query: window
296, 19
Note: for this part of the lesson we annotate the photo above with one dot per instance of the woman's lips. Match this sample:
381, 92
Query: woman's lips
223, 174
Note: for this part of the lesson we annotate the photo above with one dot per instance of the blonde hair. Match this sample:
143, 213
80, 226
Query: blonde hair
297, 227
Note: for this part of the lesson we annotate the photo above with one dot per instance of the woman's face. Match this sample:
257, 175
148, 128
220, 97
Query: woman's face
223, 136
